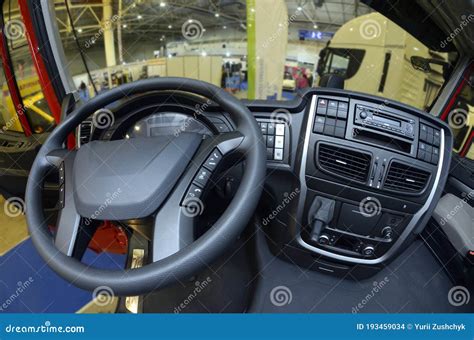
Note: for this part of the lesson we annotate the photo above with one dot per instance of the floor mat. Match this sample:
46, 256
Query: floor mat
28, 285
413, 283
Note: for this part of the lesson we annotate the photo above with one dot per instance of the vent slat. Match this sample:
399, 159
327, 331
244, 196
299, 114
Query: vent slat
405, 178
355, 161
85, 131
344, 162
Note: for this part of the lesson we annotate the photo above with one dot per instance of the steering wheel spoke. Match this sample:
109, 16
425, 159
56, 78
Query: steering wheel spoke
174, 222
173, 230
57, 157
229, 142
68, 218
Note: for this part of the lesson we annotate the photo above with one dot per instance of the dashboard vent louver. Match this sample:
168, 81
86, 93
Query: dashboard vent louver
344, 162
405, 178
84, 132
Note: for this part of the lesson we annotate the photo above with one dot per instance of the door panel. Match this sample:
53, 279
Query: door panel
450, 233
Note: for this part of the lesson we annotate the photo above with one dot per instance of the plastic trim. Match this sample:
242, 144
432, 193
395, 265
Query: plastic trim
403, 237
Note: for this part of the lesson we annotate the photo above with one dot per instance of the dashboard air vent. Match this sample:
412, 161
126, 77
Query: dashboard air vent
84, 132
344, 162
404, 178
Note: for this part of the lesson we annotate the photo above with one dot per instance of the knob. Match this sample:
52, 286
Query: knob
323, 239
368, 250
363, 114
387, 233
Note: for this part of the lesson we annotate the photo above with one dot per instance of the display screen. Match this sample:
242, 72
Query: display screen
386, 121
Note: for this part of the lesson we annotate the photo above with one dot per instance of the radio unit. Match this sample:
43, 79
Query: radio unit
373, 118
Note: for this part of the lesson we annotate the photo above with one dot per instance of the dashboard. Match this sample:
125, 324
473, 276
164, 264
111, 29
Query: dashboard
367, 171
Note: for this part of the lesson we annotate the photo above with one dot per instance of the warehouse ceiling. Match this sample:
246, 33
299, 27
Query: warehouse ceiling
153, 19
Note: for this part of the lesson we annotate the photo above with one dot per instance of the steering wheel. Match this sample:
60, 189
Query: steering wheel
158, 177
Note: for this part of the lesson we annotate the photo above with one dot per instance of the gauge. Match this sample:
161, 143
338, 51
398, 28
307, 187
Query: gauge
167, 123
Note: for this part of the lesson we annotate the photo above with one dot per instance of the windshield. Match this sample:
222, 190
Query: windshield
252, 49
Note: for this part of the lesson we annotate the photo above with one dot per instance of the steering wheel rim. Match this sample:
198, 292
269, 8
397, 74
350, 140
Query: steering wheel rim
191, 258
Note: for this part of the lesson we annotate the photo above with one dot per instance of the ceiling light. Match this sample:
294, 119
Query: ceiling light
124, 25
162, 4
315, 26
190, 21
137, 128
80, 30
227, 54
216, 15
204, 53
299, 8
139, 16
170, 26
224, 27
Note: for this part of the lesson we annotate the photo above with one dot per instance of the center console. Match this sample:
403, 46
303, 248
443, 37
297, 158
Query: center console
370, 173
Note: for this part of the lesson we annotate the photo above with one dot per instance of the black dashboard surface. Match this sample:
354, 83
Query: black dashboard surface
384, 164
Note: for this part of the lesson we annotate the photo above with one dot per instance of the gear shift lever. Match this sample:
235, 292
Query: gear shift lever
320, 215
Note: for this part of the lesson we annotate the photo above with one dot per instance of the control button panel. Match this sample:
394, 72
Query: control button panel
194, 192
428, 147
202, 177
331, 117
275, 135
212, 161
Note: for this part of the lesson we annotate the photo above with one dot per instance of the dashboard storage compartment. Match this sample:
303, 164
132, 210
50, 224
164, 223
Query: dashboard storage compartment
355, 220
